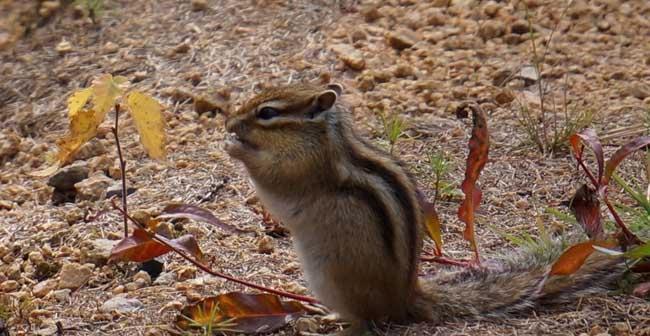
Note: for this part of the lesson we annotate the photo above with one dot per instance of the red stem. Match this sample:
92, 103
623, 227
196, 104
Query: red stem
453, 262
207, 269
122, 169
629, 236
591, 177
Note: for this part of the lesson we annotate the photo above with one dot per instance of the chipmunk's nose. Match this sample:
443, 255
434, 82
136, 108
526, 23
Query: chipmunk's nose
236, 125
231, 124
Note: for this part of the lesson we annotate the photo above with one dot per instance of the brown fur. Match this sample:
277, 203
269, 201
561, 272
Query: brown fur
357, 225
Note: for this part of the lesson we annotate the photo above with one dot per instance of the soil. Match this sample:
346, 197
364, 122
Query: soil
418, 60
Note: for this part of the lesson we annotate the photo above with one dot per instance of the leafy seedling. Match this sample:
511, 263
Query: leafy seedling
586, 205
92, 8
440, 168
393, 129
87, 109
476, 160
478, 154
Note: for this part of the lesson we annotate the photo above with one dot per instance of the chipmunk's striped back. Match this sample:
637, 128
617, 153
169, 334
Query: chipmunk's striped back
404, 214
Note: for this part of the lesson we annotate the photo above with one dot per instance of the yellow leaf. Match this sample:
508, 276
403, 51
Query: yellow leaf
432, 222
120, 80
46, 172
78, 100
105, 91
147, 114
83, 127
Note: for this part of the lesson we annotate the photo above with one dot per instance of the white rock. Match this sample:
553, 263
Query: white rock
121, 304
165, 278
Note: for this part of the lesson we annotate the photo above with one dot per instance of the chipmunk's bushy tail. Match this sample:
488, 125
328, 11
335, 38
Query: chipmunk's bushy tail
516, 284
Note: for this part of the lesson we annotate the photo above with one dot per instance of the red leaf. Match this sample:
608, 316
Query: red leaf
138, 247
196, 213
244, 313
621, 154
478, 155
643, 267
141, 246
187, 244
642, 289
589, 136
575, 256
586, 208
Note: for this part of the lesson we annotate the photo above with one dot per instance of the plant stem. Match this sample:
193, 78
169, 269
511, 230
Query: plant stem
453, 262
537, 62
589, 175
122, 169
206, 268
629, 236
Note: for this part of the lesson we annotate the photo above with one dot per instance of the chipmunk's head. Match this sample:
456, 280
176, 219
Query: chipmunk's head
282, 133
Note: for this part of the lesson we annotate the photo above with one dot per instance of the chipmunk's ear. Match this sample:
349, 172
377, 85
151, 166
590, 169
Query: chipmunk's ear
324, 101
336, 87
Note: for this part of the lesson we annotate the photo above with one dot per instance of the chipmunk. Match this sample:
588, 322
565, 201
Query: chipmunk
357, 224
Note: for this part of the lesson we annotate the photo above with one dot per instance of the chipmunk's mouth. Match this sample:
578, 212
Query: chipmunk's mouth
233, 144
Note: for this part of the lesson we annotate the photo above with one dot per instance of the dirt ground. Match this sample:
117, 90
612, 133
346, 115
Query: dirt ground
414, 59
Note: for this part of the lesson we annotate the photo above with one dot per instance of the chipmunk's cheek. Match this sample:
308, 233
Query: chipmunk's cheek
237, 148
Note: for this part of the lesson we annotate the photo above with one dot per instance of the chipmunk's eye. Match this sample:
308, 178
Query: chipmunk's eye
267, 113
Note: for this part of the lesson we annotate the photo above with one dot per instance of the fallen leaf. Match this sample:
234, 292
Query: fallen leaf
240, 312
149, 120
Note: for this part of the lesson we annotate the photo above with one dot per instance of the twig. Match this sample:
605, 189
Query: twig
447, 261
205, 268
588, 172
629, 236
122, 169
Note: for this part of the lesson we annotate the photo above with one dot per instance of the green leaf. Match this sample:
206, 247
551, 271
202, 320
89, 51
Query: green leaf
639, 252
